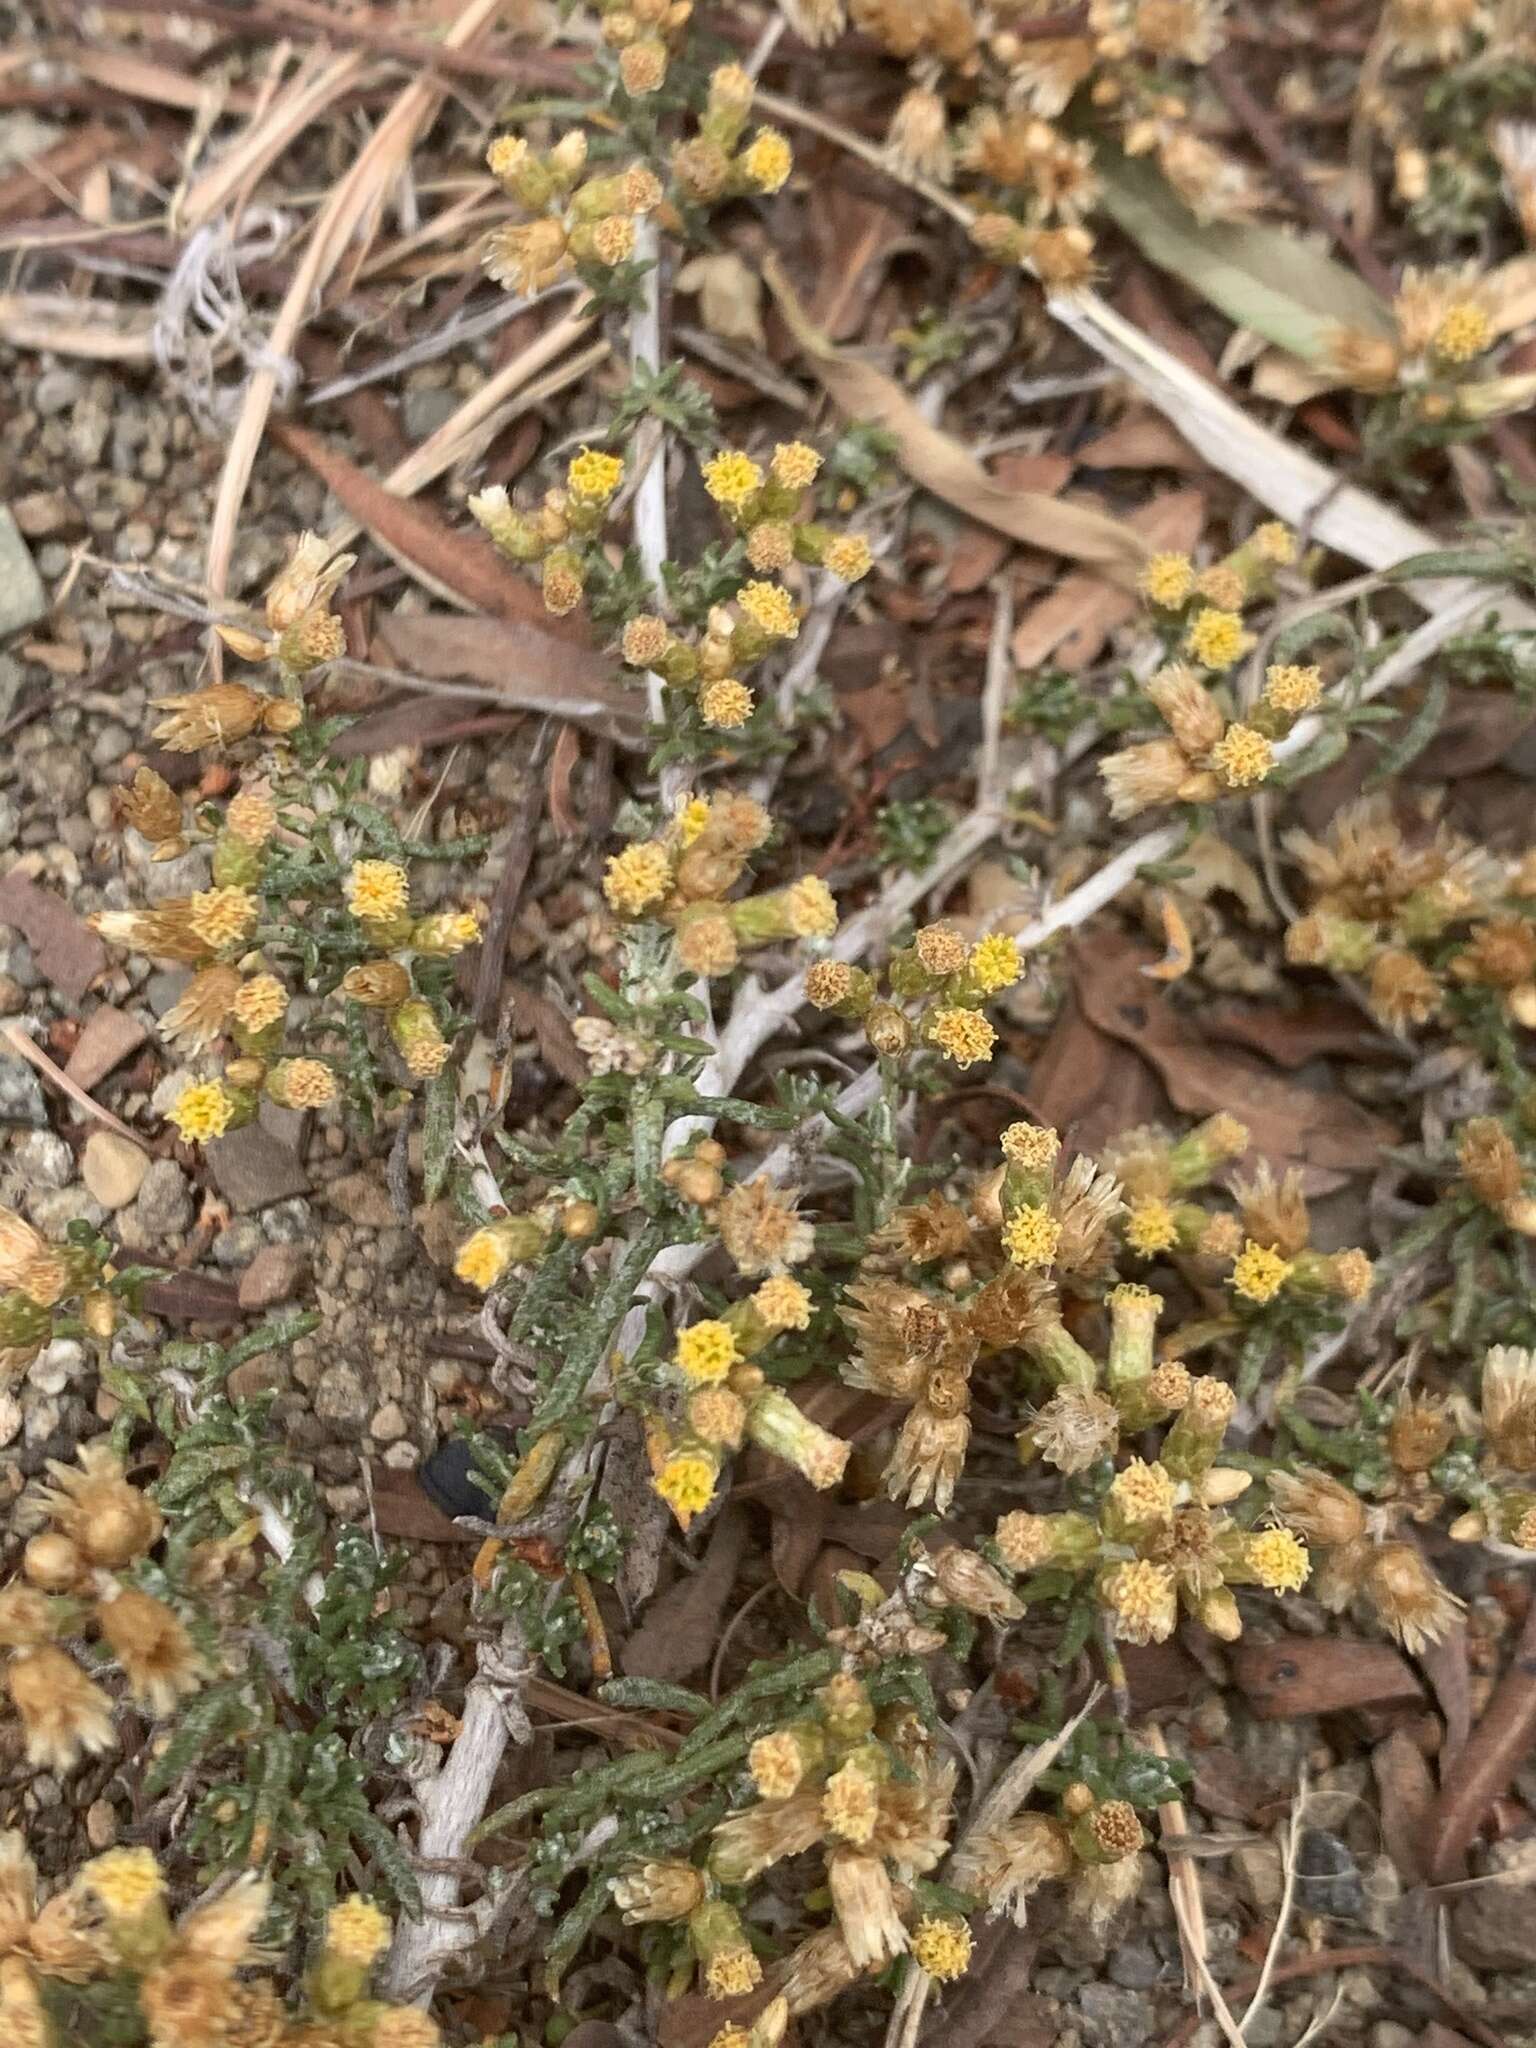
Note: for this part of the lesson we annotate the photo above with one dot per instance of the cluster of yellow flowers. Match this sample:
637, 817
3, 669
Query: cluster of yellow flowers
1264, 1247
555, 534
723, 1395
188, 1981
764, 506
1437, 351
1421, 918
586, 224
95, 1526
947, 977
1207, 752
866, 1788
945, 1287
358, 906
46, 1290
681, 876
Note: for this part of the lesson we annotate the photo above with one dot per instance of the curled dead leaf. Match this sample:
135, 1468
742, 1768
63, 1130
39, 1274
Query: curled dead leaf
1180, 956
941, 465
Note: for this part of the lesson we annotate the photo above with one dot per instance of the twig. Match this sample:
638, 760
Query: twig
1183, 1878
1366, 1957
21, 1041
989, 789
1256, 120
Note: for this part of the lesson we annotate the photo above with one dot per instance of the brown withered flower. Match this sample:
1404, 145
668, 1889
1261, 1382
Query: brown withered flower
153, 809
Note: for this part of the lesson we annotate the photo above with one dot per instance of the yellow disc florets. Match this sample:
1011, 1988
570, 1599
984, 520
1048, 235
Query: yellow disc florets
767, 160
1242, 757
810, 909
795, 465
1150, 1228
783, 1303
482, 1259
378, 889
202, 1111
964, 1036
770, 608
731, 478
996, 962
848, 557
357, 1930
1216, 638
126, 1881
1030, 1146
220, 917
1278, 1560
726, 705
1167, 580
1259, 1272
1031, 1235
1293, 688
706, 1352
258, 1003
850, 1805
593, 476
1464, 331
637, 879
686, 1482
1275, 543
942, 1947
1142, 1492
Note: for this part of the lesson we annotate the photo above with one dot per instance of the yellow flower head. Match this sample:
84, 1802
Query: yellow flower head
942, 1947
1150, 1228
221, 917
638, 878
1142, 1598
767, 160
258, 1003
1278, 1560
1142, 1492
304, 1084
357, 1931
964, 1036
378, 889
771, 609
1031, 1235
482, 1259
996, 962
692, 817
1274, 542
848, 557
613, 239
810, 909
201, 1111
252, 816
686, 1482
783, 1303
795, 465
850, 1805
771, 547
1292, 688
447, 933
727, 705
706, 1352
731, 478
1259, 1272
645, 640
1030, 1146
1167, 580
1464, 331
125, 1880
1216, 639
593, 477
1242, 757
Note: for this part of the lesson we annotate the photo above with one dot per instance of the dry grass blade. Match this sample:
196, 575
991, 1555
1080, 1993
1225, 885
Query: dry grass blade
98, 332
319, 83
354, 202
20, 1040
1280, 475
940, 464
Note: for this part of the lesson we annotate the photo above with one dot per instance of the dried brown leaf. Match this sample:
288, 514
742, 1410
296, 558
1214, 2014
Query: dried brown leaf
1071, 625
1405, 1787
1321, 1675
941, 465
67, 951
681, 1629
527, 667
1180, 956
1497, 1747
1289, 1123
